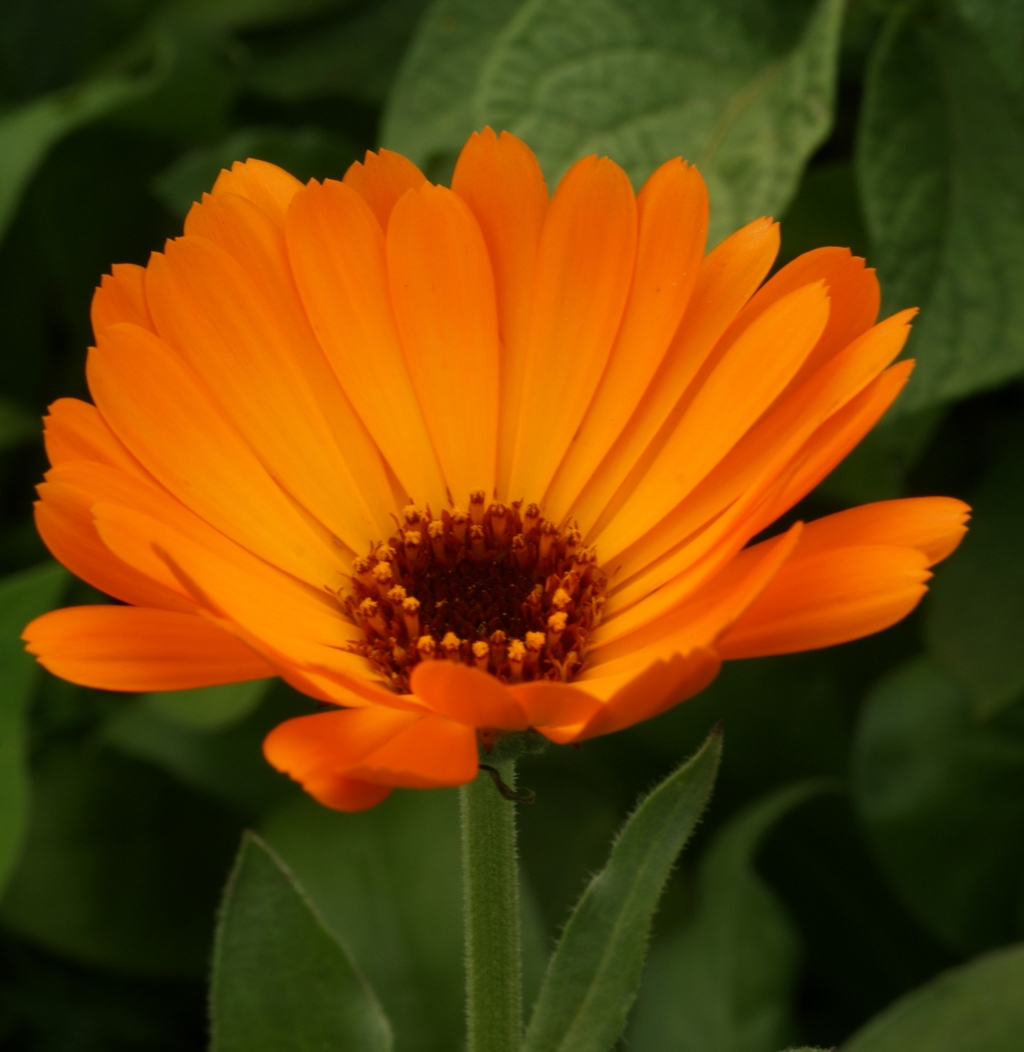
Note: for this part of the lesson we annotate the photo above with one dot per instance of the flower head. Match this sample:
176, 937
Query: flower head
466, 462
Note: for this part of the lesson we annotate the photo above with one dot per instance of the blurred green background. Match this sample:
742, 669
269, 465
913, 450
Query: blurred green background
896, 129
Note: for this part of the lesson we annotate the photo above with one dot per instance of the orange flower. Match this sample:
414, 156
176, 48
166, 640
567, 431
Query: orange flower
469, 461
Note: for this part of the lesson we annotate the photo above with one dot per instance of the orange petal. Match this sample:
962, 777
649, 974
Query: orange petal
346, 794
121, 296
501, 181
932, 525
765, 452
467, 696
829, 597
657, 626
277, 613
381, 179
853, 294
584, 268
728, 276
157, 408
136, 649
745, 382
337, 254
74, 430
673, 224
332, 742
834, 440
429, 754
443, 297
64, 519
638, 697
250, 345
268, 187
550, 706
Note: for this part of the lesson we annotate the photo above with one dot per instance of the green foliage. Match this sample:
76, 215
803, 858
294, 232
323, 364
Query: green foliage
929, 773
977, 1008
975, 625
940, 154
27, 133
595, 971
122, 867
387, 883
281, 980
22, 597
724, 981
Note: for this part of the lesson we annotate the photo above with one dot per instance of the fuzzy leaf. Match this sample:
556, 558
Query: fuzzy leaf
595, 972
724, 982
281, 981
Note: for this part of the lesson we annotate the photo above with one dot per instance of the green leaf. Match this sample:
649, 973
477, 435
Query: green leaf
975, 1008
388, 884
23, 597
940, 152
308, 153
744, 91
975, 618
281, 981
429, 112
122, 867
595, 971
357, 58
725, 981
209, 708
28, 132
928, 775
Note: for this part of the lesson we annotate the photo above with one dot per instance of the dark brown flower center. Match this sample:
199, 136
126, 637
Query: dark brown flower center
497, 587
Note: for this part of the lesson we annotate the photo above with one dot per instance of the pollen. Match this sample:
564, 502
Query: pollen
503, 590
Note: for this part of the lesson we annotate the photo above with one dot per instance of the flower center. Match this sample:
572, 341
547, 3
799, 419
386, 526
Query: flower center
498, 588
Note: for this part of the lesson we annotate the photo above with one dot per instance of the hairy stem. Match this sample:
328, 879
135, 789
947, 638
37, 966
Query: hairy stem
491, 914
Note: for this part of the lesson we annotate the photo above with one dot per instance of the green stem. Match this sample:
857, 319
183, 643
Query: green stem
491, 915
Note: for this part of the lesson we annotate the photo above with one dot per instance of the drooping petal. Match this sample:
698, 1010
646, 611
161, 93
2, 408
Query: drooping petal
442, 291
673, 223
381, 179
121, 296
633, 697
501, 181
747, 380
828, 597
270, 188
137, 649
156, 407
467, 695
429, 754
249, 343
337, 254
584, 267
728, 276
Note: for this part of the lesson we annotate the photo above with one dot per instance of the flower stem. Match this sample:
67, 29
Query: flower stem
491, 915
